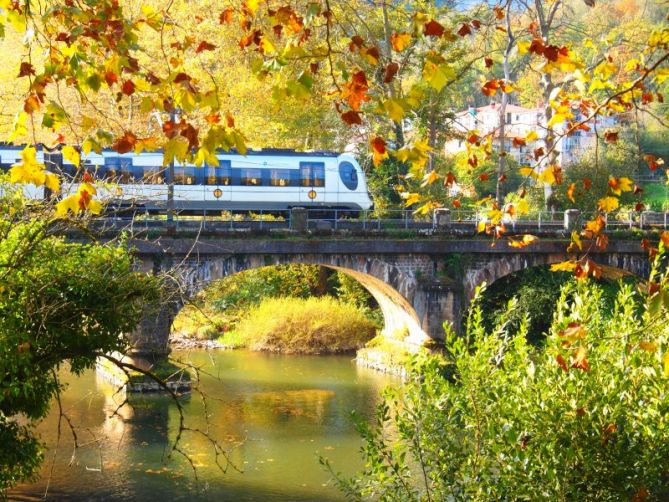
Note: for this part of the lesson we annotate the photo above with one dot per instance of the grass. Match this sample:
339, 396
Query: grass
203, 325
306, 326
656, 196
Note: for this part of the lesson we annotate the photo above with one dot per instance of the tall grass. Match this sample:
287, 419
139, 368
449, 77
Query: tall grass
307, 326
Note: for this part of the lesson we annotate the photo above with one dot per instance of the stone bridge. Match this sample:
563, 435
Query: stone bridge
419, 284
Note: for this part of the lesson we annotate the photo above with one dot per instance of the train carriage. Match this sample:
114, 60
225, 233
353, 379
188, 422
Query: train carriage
260, 180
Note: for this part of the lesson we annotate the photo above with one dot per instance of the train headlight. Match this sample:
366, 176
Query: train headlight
312, 194
218, 193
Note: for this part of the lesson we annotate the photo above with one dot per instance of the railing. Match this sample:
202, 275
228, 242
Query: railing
397, 221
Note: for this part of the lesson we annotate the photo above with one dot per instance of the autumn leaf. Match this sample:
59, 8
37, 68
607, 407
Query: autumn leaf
400, 41
204, 46
433, 29
379, 151
570, 192
390, 72
351, 117
579, 359
607, 204
25, 70
564, 266
664, 239
226, 16
125, 143
619, 185
561, 362
611, 136
128, 88
355, 91
71, 154
464, 30
525, 241
429, 178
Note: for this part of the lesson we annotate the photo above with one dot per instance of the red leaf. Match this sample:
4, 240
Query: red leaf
125, 143
464, 30
561, 362
433, 29
488, 62
128, 88
111, 78
204, 46
351, 117
379, 145
611, 136
390, 72
25, 70
483, 177
456, 203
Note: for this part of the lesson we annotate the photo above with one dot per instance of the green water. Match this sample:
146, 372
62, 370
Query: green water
273, 414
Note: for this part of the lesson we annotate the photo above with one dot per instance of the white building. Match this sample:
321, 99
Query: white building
519, 122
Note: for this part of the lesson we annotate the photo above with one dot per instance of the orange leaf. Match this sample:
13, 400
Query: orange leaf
400, 41
664, 238
570, 192
524, 242
226, 15
25, 70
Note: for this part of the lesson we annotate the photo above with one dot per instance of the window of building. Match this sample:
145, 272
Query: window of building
508, 118
312, 174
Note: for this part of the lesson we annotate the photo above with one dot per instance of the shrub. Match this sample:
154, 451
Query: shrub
586, 417
308, 326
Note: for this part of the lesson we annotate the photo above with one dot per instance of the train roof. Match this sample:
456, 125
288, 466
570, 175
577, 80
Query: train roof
232, 151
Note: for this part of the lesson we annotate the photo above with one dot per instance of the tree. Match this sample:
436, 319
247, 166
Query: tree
61, 303
497, 419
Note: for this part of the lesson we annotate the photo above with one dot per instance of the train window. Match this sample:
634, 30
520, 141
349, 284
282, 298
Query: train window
251, 177
348, 175
281, 177
217, 175
312, 174
154, 175
184, 175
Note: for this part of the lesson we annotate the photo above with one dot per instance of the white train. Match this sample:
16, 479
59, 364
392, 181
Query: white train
261, 179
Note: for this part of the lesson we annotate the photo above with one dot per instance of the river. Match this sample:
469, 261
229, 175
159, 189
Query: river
274, 415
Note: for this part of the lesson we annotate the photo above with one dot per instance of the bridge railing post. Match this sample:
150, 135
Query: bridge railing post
441, 218
299, 219
571, 219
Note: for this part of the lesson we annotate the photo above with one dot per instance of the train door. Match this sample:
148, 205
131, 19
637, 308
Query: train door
312, 183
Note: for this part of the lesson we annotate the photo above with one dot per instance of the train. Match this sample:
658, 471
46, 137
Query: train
268, 179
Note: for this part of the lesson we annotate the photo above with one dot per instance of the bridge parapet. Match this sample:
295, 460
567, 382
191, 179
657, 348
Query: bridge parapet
419, 283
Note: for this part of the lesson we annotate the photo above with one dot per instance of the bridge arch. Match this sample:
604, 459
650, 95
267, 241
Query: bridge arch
501, 266
392, 289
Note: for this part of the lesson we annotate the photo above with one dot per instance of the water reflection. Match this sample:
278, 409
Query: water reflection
273, 414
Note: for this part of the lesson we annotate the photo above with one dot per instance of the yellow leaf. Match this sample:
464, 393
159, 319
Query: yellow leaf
480, 227
87, 187
523, 47
526, 240
430, 178
665, 361
411, 198
52, 182
176, 148
94, 206
528, 171
548, 176
564, 266
531, 136
69, 203
72, 155
522, 207
608, 204
394, 109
